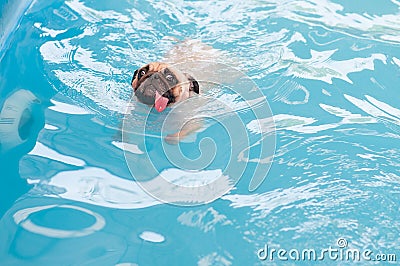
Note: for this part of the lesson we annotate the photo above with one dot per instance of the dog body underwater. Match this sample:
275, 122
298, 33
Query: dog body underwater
184, 72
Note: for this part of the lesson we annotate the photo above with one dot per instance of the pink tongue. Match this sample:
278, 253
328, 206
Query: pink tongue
160, 103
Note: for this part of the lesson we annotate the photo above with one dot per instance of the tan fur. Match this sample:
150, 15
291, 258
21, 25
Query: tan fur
153, 67
157, 66
134, 83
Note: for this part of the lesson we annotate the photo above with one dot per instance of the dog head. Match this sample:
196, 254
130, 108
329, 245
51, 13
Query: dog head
161, 85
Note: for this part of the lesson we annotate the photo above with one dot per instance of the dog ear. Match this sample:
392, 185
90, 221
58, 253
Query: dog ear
133, 81
194, 85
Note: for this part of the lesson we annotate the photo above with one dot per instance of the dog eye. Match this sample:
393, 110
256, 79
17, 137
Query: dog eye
169, 77
142, 73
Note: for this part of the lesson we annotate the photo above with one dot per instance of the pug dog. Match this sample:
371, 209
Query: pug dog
161, 85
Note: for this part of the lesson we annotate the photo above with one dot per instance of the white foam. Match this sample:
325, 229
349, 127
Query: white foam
105, 93
43, 151
322, 67
50, 127
152, 237
92, 15
99, 187
67, 108
287, 122
333, 16
47, 31
396, 61
133, 148
191, 178
373, 110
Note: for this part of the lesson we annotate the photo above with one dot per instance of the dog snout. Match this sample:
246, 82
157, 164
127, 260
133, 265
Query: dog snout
158, 83
146, 94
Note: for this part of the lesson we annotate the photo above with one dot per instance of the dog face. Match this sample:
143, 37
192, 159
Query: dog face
161, 85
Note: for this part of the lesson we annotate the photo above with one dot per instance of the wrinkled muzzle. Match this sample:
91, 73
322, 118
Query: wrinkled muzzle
146, 92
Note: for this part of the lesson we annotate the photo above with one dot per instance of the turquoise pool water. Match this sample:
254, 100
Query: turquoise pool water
330, 71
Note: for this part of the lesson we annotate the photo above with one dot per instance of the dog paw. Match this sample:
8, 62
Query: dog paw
172, 139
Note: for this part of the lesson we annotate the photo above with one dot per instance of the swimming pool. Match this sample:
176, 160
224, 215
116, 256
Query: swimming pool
329, 71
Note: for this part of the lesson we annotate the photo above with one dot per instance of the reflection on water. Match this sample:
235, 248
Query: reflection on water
329, 71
